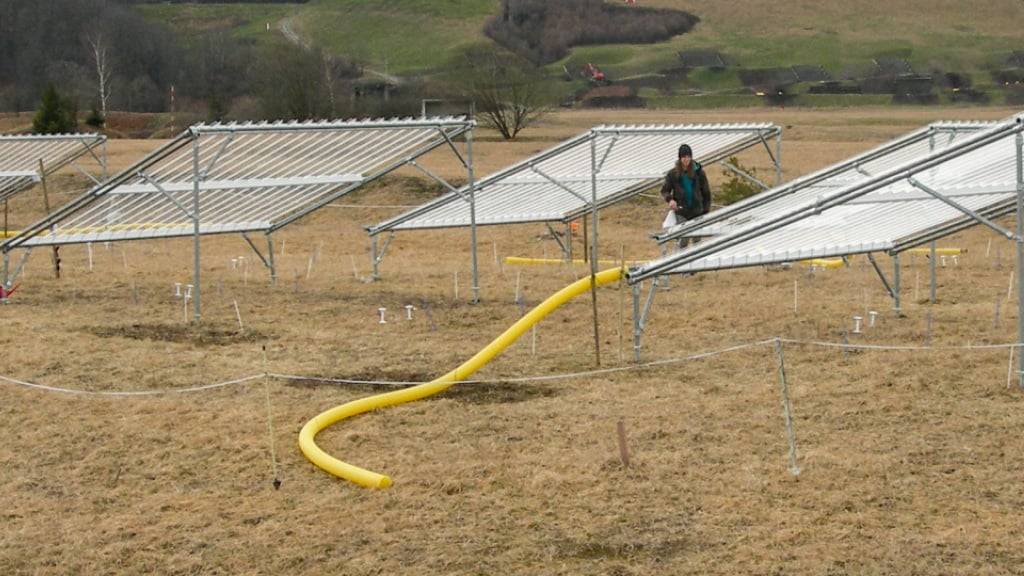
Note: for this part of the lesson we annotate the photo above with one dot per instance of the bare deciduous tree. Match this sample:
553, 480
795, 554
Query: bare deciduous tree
99, 50
508, 91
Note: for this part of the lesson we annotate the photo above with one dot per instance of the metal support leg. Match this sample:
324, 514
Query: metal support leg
374, 261
270, 260
636, 321
568, 242
931, 267
6, 278
472, 214
196, 300
648, 303
778, 158
896, 283
1020, 257
874, 264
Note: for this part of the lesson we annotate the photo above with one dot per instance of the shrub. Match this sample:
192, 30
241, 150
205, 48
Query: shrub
736, 188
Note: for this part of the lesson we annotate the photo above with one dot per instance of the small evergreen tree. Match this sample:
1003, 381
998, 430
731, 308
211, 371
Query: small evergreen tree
56, 114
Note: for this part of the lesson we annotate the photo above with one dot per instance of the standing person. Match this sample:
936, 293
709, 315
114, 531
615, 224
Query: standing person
686, 189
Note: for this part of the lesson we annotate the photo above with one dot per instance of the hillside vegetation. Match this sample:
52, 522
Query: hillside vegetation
962, 57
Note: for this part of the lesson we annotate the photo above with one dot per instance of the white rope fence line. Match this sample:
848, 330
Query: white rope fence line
521, 379
905, 347
200, 388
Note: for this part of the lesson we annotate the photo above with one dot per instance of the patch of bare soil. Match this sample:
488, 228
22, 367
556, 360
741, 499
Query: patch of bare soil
180, 333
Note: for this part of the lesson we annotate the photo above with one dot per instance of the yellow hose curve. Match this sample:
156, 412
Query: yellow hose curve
368, 479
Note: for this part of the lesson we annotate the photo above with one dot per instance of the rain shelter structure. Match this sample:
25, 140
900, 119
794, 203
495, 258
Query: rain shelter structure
582, 175
973, 180
240, 178
861, 167
26, 159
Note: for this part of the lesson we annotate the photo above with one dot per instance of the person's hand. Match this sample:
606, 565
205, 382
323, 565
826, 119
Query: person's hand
672, 205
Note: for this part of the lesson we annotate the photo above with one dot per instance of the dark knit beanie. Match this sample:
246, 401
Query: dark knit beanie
685, 150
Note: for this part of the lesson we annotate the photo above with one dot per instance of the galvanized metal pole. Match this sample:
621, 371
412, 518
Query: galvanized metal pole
931, 267
787, 409
636, 321
6, 278
593, 245
196, 300
896, 282
103, 162
270, 259
374, 263
778, 158
1019, 140
472, 213
931, 264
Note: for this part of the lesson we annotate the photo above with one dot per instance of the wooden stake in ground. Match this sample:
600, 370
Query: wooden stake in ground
46, 206
623, 449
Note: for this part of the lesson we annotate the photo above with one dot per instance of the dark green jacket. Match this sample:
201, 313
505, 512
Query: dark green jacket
672, 189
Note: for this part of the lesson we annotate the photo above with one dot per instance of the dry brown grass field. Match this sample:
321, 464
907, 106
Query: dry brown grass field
909, 459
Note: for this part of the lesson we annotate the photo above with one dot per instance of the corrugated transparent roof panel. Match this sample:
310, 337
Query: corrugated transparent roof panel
252, 177
20, 156
884, 213
630, 158
860, 168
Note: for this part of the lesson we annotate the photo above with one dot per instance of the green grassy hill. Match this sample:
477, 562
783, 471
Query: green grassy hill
843, 38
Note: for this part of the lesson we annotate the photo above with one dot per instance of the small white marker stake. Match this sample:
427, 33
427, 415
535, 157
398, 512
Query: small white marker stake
456, 284
238, 315
517, 288
88, 248
942, 260
856, 324
309, 267
408, 311
872, 315
188, 291
177, 289
234, 263
381, 311
988, 247
355, 273
795, 289
1009, 289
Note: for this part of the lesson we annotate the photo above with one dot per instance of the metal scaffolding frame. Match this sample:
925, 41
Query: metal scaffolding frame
26, 159
582, 175
240, 178
859, 168
972, 181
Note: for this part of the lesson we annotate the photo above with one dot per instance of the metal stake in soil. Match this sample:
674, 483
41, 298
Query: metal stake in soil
787, 409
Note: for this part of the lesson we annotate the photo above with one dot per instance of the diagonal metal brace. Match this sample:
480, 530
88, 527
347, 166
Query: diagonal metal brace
607, 151
455, 149
216, 157
743, 174
439, 180
888, 287
167, 195
560, 185
976, 216
384, 247
20, 266
554, 234
85, 173
256, 250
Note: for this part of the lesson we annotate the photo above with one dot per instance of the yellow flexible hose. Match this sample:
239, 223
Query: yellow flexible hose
368, 479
